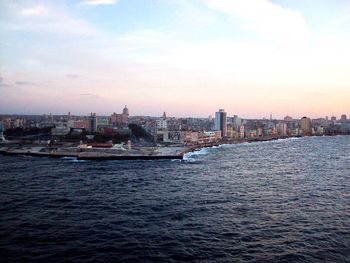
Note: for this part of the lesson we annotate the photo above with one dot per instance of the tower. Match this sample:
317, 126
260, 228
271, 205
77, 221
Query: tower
306, 125
92, 123
126, 111
221, 122
125, 115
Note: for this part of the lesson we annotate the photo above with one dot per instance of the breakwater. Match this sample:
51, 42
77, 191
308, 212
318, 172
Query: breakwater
142, 153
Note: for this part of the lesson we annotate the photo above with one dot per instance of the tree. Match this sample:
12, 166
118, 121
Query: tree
139, 133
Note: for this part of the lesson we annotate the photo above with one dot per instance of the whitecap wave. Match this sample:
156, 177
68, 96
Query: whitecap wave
68, 158
72, 159
202, 151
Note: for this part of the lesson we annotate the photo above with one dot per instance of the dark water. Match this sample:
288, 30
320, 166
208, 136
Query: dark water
281, 201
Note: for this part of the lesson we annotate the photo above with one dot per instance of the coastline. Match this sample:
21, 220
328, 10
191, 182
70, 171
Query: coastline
239, 141
142, 153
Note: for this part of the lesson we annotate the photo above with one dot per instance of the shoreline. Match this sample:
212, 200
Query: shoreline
100, 154
156, 153
264, 139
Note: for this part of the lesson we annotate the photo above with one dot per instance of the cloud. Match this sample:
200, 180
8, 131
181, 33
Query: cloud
2, 84
146, 39
46, 19
72, 76
24, 83
90, 95
35, 11
266, 18
100, 2
5, 85
189, 14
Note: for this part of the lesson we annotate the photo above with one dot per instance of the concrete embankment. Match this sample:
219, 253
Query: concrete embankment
140, 154
126, 157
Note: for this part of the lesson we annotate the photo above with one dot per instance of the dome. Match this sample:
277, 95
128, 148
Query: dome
125, 110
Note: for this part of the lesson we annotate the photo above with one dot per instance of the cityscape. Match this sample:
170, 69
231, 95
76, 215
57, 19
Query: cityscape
174, 131
217, 128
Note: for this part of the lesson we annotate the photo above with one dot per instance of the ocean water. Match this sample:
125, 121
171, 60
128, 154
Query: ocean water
279, 201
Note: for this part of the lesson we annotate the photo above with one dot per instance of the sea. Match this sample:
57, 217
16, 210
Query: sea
278, 201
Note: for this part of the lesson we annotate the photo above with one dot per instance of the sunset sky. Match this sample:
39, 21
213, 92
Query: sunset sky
188, 58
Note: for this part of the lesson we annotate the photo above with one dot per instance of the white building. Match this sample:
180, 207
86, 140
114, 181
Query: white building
162, 123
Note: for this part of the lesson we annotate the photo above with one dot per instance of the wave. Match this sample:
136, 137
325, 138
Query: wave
68, 158
72, 159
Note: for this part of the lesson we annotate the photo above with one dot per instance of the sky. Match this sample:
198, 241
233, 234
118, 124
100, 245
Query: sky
184, 57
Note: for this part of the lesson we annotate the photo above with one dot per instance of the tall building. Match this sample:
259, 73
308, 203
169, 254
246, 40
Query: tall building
236, 122
306, 126
2, 126
281, 128
92, 123
221, 122
2, 129
162, 123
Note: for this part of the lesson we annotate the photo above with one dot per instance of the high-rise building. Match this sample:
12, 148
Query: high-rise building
2, 129
162, 122
236, 122
281, 128
221, 122
92, 123
306, 126
2, 126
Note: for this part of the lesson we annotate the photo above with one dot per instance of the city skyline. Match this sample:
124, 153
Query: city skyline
187, 58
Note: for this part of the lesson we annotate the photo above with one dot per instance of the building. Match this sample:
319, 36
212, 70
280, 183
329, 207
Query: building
162, 123
102, 122
288, 118
306, 126
120, 119
235, 122
92, 123
241, 131
2, 126
2, 129
221, 122
281, 128
82, 124
60, 130
126, 111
